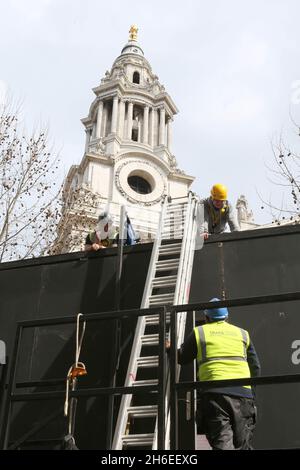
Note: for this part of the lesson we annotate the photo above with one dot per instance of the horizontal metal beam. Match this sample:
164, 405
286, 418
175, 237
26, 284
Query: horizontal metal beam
264, 380
87, 392
262, 299
91, 317
41, 383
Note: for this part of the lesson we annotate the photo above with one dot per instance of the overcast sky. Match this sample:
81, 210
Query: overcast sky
232, 67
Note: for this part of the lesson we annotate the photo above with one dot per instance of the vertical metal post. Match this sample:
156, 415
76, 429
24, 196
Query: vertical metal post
161, 419
117, 329
193, 402
11, 383
173, 381
120, 257
2, 389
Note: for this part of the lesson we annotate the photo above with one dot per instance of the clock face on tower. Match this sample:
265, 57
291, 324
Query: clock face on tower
140, 182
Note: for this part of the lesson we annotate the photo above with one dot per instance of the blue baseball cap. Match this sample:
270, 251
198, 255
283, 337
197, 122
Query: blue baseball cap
216, 313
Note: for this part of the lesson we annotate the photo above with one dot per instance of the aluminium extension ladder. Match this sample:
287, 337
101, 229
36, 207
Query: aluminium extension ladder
167, 283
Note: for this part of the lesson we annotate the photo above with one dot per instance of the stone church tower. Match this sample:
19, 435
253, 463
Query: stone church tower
128, 158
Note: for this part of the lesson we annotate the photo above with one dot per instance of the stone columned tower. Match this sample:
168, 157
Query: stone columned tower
128, 156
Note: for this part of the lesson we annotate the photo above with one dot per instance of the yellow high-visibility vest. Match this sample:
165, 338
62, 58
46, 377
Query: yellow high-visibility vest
222, 351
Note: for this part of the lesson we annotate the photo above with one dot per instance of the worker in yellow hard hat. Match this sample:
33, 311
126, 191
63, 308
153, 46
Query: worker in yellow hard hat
218, 212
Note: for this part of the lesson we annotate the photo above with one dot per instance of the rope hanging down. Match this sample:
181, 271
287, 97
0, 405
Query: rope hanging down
78, 369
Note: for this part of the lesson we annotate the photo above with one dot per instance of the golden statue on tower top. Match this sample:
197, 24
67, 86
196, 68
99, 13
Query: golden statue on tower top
133, 32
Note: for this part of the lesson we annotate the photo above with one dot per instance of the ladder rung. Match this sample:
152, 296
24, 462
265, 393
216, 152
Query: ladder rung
137, 439
170, 230
174, 216
154, 319
177, 204
174, 235
172, 250
167, 263
147, 361
146, 411
174, 224
169, 245
160, 303
140, 383
161, 299
164, 281
149, 340
173, 209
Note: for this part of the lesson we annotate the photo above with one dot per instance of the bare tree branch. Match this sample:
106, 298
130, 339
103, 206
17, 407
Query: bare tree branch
29, 203
285, 169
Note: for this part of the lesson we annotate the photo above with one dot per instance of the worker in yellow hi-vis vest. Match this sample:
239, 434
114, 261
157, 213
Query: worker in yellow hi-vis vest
227, 415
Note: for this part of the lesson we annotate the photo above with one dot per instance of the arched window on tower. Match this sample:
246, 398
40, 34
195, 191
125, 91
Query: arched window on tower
136, 77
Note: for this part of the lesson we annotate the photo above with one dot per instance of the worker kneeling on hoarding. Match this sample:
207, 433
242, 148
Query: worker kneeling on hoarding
104, 234
217, 212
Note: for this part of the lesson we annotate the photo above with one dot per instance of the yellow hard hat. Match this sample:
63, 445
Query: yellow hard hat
219, 192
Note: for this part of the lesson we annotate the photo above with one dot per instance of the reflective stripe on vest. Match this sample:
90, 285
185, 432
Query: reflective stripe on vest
222, 351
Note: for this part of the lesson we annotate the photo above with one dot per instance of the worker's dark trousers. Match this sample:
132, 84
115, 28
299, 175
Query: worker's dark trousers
228, 421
